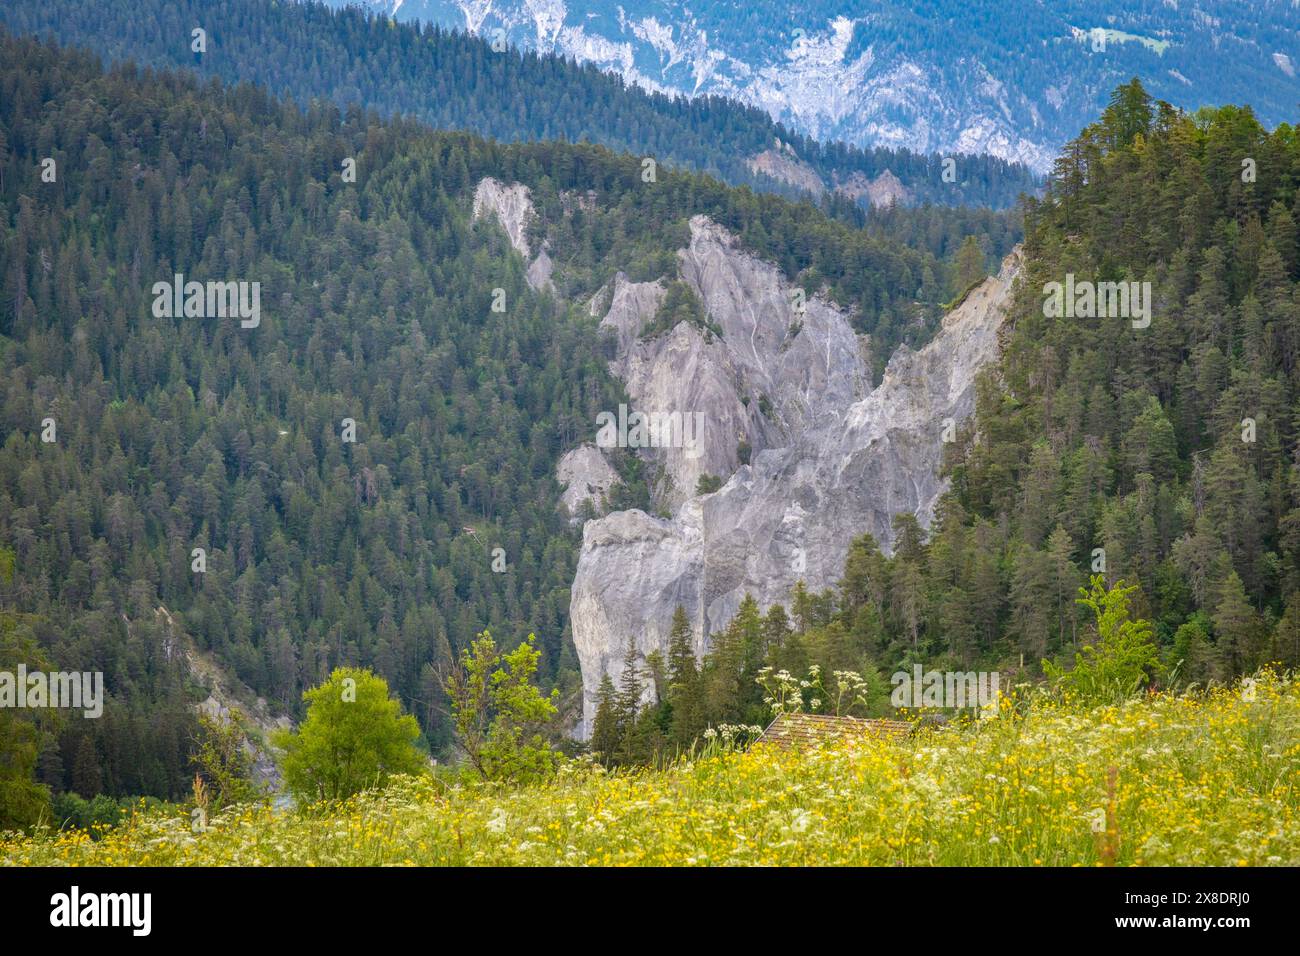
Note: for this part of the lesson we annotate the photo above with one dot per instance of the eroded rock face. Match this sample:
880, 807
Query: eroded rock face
512, 207
780, 385
585, 475
885, 190
783, 360
831, 464
783, 165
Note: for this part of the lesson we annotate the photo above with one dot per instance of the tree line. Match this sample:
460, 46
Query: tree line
173, 434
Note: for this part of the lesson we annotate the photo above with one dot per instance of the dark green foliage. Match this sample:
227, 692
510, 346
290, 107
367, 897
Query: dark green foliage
1168, 452
71, 812
724, 687
1172, 447
24, 800
176, 434
454, 81
707, 484
184, 433
680, 304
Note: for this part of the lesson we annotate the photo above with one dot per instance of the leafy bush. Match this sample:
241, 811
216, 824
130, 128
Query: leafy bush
1124, 656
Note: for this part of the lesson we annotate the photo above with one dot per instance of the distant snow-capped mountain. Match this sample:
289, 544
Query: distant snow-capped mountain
1013, 78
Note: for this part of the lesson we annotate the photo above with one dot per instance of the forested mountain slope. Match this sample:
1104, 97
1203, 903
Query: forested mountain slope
1014, 78
376, 306
1164, 454
1159, 447
456, 81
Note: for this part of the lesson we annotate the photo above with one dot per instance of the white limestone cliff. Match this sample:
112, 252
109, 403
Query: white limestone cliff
830, 462
512, 207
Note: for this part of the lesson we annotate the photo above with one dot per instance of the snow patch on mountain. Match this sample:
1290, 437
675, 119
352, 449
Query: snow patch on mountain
885, 75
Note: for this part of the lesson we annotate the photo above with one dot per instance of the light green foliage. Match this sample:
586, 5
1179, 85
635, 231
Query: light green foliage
1123, 657
1016, 790
222, 756
354, 737
499, 714
850, 693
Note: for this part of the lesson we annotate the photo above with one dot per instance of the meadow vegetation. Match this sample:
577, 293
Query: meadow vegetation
1199, 778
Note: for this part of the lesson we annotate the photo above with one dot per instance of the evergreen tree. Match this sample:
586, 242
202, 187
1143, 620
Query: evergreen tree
627, 708
685, 693
969, 267
605, 736
1236, 626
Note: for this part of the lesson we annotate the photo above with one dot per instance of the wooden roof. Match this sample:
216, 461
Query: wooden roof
802, 730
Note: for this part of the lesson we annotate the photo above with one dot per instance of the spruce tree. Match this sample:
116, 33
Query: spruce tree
970, 267
1236, 626
605, 738
627, 707
683, 682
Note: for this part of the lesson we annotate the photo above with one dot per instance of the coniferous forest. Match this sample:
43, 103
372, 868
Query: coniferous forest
451, 80
1166, 457
306, 512
174, 435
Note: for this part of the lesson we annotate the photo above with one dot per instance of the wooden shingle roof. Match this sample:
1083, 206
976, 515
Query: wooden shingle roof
802, 730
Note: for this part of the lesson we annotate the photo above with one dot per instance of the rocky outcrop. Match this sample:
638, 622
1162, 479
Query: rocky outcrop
539, 272
883, 191
628, 308
783, 360
784, 166
585, 475
512, 207
830, 463
887, 190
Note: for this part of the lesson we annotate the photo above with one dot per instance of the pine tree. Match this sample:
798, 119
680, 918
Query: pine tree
605, 738
683, 682
1197, 658
865, 575
722, 675
1236, 626
1286, 637
776, 628
1128, 115
752, 653
970, 266
801, 604
907, 600
627, 707
1064, 583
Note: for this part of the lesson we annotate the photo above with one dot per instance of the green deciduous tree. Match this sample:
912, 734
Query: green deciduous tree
354, 737
1122, 658
223, 757
500, 716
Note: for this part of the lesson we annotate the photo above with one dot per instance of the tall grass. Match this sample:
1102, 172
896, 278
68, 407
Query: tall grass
1209, 778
